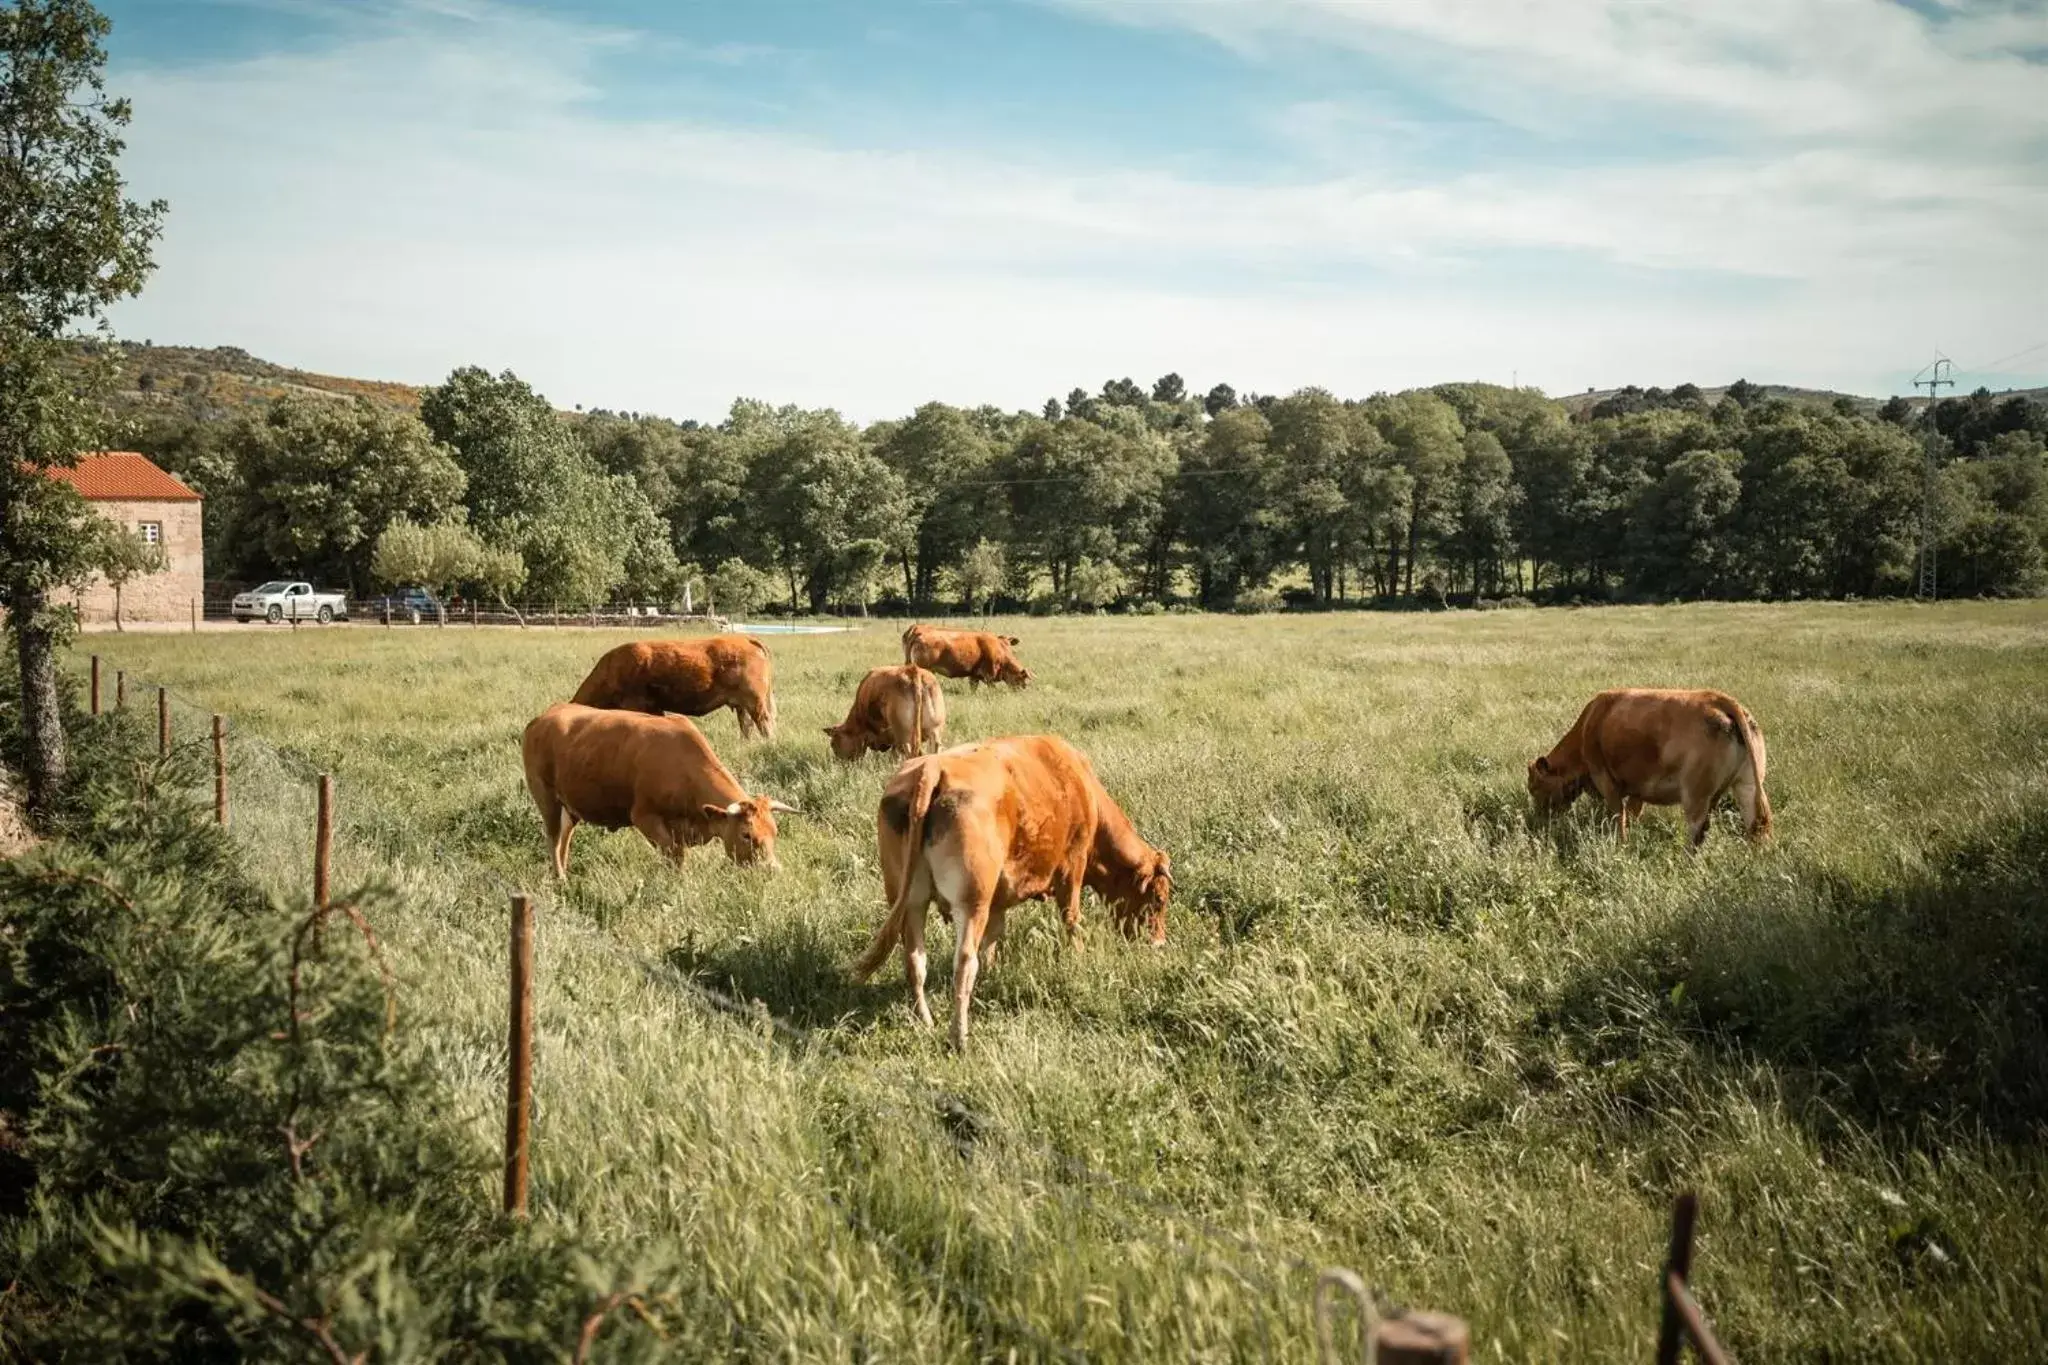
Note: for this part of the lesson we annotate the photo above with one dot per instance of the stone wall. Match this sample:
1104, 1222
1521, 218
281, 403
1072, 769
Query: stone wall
166, 596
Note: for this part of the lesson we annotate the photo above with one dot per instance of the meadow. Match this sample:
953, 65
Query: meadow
1398, 1026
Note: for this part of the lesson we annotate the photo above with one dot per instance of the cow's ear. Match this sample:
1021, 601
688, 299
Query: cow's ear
721, 812
1543, 763
1013, 639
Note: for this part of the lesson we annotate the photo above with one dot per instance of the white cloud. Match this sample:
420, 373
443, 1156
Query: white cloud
438, 188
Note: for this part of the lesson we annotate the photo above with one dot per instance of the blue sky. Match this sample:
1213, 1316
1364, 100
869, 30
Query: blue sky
663, 206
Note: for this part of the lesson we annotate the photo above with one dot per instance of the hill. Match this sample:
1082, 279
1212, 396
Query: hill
1578, 404
215, 381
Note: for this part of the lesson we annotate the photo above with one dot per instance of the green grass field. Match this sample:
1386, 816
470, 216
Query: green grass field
1396, 1027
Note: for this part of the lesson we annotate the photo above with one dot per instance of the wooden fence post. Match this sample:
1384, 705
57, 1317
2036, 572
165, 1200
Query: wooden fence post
95, 684
323, 841
195, 616
163, 722
519, 1071
472, 614
220, 770
120, 688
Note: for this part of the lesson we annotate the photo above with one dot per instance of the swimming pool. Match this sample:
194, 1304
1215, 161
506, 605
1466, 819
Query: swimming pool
784, 628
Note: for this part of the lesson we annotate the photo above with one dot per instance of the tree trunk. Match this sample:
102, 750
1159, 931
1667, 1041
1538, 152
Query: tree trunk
42, 715
1414, 538
117, 609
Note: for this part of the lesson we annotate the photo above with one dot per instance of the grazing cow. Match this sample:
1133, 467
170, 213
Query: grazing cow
617, 768
898, 708
688, 677
984, 826
1639, 746
974, 655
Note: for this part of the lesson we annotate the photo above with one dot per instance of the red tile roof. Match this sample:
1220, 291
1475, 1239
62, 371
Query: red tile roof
123, 476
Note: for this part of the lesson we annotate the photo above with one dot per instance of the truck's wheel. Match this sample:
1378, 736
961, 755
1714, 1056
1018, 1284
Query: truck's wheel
415, 614
275, 614
326, 615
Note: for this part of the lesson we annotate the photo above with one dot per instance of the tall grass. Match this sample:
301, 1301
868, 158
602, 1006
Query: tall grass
1398, 1026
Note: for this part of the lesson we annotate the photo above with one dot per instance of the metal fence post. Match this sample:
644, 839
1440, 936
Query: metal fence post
519, 1071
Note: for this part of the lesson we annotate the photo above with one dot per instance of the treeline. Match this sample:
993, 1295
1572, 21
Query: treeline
1125, 497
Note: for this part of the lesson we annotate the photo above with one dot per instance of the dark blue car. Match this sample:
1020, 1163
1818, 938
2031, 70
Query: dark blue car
407, 604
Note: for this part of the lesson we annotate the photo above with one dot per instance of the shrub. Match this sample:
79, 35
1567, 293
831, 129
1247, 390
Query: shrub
1253, 601
217, 1146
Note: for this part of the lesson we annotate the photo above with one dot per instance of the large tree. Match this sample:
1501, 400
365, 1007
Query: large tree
316, 482
71, 243
583, 534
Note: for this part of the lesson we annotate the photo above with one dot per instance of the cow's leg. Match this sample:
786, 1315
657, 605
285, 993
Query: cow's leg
655, 829
970, 921
998, 920
568, 828
746, 720
551, 819
1069, 897
914, 964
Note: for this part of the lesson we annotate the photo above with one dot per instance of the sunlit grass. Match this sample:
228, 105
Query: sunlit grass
1396, 1026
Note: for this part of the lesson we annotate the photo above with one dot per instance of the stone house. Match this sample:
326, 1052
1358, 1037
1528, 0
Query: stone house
132, 490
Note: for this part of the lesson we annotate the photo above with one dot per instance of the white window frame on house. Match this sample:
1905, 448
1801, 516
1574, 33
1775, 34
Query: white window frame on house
152, 532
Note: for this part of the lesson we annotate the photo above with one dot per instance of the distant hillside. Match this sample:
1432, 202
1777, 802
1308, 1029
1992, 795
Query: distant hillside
222, 379
1580, 403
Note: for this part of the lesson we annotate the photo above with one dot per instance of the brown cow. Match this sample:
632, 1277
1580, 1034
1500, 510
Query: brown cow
1641, 746
974, 655
984, 826
656, 773
896, 708
688, 677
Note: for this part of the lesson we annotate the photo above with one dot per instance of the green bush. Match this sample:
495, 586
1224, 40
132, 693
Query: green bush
215, 1141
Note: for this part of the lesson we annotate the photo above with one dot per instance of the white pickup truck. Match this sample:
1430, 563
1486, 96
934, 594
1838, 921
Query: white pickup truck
283, 600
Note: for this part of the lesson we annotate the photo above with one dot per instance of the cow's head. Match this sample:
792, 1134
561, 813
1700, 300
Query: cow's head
747, 829
848, 741
1012, 672
1142, 903
1551, 788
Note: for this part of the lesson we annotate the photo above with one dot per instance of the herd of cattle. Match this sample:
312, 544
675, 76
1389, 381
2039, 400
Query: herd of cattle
982, 827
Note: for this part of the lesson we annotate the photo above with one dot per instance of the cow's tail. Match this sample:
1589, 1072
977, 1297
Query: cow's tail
909, 634
913, 849
917, 713
1750, 736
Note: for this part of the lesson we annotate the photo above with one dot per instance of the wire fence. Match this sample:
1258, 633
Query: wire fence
271, 808
1278, 1299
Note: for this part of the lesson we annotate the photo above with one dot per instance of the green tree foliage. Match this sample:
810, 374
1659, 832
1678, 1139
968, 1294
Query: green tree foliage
313, 484
738, 589
1095, 583
583, 534
71, 243
817, 492
943, 458
1227, 493
1081, 490
982, 574
120, 555
437, 557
